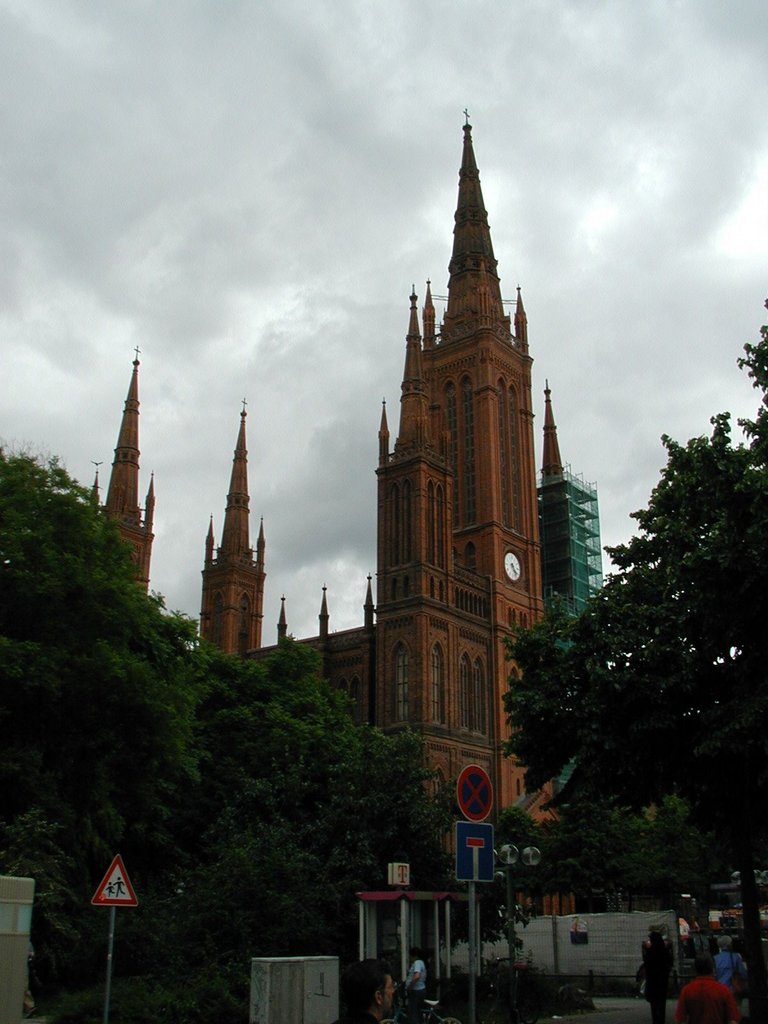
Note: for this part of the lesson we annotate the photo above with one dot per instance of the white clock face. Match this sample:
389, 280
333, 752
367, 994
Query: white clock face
512, 566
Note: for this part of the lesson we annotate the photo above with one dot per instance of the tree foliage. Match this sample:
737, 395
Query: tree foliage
659, 686
95, 697
248, 807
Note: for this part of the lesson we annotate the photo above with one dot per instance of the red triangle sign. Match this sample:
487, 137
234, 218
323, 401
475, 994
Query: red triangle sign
115, 889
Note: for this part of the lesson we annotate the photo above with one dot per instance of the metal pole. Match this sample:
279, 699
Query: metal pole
472, 950
512, 947
110, 945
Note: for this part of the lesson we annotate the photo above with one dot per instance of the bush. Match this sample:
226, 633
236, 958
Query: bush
148, 1001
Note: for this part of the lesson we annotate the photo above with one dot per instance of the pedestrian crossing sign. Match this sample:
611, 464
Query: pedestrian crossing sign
115, 889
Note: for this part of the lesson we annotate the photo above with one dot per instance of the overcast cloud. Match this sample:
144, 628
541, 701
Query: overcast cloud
247, 190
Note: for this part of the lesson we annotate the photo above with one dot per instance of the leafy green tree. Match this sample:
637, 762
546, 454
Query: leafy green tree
247, 805
96, 698
659, 686
296, 810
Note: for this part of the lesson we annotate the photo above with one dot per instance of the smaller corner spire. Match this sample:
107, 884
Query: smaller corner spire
209, 543
95, 489
368, 607
551, 462
260, 544
323, 616
428, 315
383, 434
282, 625
521, 322
149, 503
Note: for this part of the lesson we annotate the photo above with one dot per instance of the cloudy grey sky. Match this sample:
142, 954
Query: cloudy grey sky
247, 191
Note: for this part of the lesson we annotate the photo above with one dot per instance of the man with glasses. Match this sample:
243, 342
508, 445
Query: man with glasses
367, 990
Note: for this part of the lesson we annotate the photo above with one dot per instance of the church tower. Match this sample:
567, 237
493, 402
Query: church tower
233, 580
458, 536
122, 502
569, 522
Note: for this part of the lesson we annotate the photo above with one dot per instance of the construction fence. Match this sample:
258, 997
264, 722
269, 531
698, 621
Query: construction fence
601, 949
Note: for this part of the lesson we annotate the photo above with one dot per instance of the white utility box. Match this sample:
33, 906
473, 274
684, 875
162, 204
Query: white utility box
294, 990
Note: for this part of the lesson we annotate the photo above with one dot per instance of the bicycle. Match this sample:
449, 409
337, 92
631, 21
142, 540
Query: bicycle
427, 1015
525, 1003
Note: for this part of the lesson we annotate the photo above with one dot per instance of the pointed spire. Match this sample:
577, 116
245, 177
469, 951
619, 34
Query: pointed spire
95, 498
149, 504
429, 318
209, 544
323, 617
414, 402
260, 545
282, 625
551, 463
234, 535
123, 494
369, 606
521, 322
383, 434
473, 288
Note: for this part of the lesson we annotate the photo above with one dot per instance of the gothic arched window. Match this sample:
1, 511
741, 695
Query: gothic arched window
243, 617
394, 497
468, 481
354, 696
407, 521
440, 525
218, 619
438, 685
513, 459
470, 556
478, 697
464, 692
431, 538
401, 682
504, 453
453, 434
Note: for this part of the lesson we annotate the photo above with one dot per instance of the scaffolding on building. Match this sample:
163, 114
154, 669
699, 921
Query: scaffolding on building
571, 557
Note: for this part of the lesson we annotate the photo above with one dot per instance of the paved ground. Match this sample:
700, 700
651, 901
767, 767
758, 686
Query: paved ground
608, 1011
618, 1011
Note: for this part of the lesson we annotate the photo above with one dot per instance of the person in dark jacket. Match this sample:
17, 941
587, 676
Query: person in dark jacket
657, 960
367, 990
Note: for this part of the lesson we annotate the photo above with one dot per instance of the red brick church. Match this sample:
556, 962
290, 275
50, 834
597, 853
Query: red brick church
459, 558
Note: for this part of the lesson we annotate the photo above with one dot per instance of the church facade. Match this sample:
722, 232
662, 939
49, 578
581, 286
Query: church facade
458, 549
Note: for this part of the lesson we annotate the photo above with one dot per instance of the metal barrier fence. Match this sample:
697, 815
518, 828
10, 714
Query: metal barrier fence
595, 947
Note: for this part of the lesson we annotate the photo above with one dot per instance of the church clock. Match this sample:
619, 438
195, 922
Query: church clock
512, 566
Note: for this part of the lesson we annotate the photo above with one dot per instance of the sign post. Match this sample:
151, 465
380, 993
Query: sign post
114, 890
474, 851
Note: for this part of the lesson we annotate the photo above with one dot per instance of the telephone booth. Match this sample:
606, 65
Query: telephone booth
391, 922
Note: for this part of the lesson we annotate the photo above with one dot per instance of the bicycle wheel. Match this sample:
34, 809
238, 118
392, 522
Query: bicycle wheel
528, 1007
451, 1020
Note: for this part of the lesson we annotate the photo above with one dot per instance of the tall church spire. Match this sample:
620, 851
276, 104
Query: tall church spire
122, 502
414, 402
123, 493
233, 581
551, 463
474, 290
235, 536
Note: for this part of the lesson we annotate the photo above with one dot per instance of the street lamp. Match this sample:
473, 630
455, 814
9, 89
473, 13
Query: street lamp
508, 856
